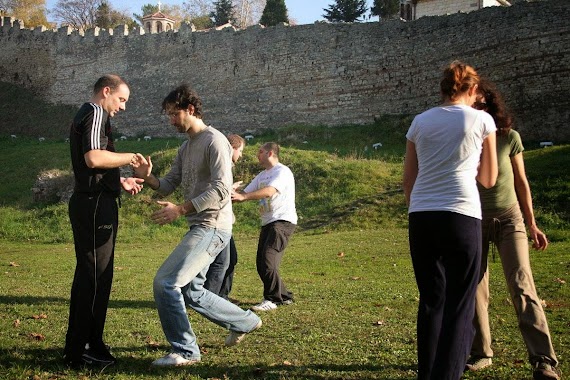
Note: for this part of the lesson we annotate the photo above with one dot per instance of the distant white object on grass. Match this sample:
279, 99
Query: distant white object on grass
305, 142
13, 136
42, 139
248, 137
67, 139
146, 138
123, 137
544, 144
377, 145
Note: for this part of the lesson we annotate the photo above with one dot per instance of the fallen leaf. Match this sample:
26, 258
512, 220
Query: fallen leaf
14, 264
119, 268
151, 343
16, 323
40, 316
560, 280
340, 254
37, 336
379, 323
287, 362
355, 278
543, 302
36, 377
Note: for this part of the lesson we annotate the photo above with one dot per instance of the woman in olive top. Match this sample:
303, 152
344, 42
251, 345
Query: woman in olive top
503, 225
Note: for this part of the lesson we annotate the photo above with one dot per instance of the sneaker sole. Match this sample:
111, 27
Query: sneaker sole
191, 362
91, 361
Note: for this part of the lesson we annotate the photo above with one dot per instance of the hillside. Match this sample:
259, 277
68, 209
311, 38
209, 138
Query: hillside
343, 182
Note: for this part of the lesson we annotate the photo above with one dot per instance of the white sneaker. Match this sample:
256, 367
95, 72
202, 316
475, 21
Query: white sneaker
265, 305
173, 360
236, 337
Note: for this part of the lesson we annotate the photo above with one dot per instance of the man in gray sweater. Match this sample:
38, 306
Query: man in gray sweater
204, 170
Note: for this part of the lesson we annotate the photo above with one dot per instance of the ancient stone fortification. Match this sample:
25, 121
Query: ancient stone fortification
310, 74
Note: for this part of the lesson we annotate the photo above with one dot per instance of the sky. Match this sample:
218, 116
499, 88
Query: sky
303, 11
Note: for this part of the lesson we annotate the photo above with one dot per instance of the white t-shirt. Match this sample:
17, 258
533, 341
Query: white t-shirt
280, 206
448, 142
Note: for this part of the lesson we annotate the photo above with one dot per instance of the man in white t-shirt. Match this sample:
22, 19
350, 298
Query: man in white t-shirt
274, 188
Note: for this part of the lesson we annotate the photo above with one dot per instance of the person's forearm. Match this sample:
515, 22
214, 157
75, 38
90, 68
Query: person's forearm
187, 208
525, 201
265, 192
104, 159
151, 181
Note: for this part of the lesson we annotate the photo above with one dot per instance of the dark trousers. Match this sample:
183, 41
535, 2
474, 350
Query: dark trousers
94, 220
273, 240
446, 253
219, 279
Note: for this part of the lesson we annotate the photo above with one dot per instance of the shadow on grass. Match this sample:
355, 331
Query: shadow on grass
51, 361
113, 304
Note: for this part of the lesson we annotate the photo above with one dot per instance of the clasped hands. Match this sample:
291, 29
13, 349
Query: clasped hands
142, 167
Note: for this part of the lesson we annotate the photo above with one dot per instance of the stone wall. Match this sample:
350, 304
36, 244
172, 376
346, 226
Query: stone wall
329, 74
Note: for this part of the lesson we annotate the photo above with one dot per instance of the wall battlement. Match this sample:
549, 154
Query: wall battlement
329, 74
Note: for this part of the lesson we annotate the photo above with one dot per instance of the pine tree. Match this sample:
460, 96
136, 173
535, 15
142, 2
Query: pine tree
223, 12
345, 10
275, 11
385, 8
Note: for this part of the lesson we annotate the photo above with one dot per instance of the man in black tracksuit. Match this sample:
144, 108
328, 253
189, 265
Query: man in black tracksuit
93, 214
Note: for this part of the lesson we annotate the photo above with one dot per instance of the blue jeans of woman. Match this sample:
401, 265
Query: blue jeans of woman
180, 282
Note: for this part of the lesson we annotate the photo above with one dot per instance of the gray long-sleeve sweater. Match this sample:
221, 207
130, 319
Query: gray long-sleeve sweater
203, 167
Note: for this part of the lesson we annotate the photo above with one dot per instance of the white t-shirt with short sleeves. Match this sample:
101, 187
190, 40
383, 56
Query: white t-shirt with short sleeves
280, 206
448, 142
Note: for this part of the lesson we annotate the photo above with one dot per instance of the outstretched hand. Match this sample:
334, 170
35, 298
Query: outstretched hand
168, 213
132, 185
142, 166
237, 197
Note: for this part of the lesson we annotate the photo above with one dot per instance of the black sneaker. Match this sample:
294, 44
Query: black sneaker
98, 357
544, 371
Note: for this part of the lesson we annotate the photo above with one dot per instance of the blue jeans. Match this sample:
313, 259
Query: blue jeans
180, 282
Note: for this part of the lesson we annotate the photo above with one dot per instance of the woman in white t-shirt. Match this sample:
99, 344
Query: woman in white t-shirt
449, 148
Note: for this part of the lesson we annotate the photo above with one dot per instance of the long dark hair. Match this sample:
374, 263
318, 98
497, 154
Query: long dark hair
495, 106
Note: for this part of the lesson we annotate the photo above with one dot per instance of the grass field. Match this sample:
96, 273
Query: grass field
354, 317
348, 265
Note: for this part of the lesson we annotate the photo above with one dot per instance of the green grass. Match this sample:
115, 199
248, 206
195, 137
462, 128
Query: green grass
354, 317
348, 265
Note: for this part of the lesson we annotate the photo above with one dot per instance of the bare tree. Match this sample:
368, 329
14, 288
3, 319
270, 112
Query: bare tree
197, 8
80, 14
248, 12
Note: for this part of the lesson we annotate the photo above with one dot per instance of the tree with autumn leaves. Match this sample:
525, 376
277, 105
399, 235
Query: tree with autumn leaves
32, 12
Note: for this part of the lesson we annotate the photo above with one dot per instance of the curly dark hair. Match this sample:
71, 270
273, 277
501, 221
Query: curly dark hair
181, 98
495, 106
